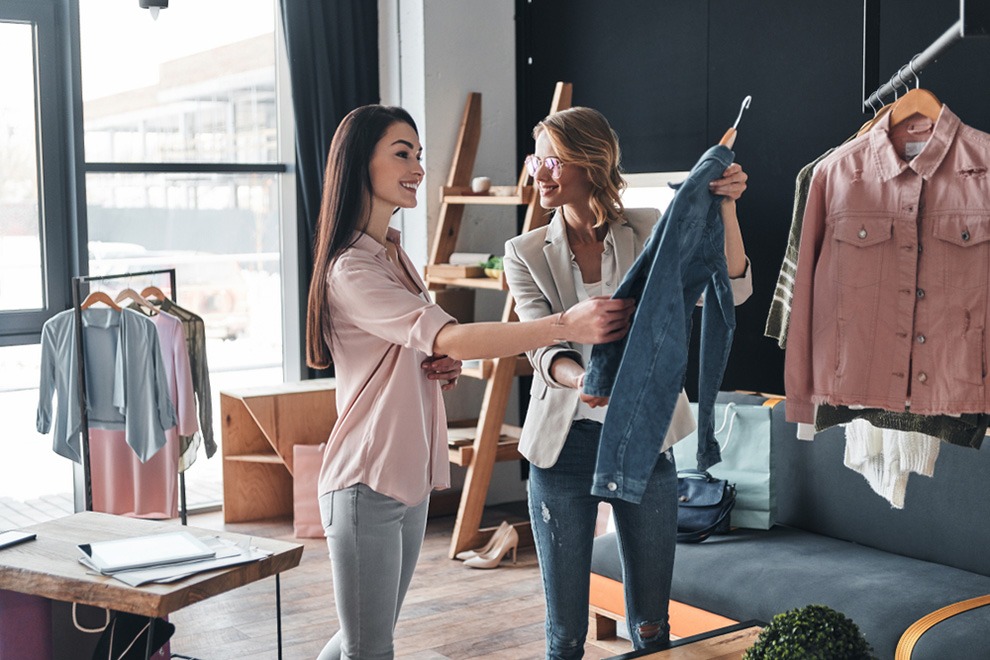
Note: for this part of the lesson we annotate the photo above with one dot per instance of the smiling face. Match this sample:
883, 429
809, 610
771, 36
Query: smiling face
573, 186
395, 168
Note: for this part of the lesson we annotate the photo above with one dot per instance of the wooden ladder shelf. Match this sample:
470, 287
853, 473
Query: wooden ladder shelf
493, 440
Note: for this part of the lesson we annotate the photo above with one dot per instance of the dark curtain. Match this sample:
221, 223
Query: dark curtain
333, 64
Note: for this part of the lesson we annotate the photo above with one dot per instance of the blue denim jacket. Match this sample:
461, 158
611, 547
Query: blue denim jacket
644, 372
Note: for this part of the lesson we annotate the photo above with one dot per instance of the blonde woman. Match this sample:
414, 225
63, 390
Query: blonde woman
588, 246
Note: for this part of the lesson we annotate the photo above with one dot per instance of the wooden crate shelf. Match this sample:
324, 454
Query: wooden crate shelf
499, 195
260, 426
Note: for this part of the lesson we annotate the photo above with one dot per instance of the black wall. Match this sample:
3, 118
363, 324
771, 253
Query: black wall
670, 76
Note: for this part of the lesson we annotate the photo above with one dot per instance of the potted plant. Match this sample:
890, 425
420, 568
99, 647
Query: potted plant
812, 632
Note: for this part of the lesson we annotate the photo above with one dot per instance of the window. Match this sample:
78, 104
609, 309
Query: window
33, 272
185, 170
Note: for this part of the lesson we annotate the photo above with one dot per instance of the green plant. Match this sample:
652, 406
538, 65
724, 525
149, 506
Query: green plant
813, 632
495, 263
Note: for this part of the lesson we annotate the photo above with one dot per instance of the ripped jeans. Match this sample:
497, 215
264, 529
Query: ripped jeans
563, 513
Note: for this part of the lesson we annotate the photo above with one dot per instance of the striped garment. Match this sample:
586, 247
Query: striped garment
780, 308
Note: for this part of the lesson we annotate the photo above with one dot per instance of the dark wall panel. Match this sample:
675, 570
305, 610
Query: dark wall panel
670, 77
642, 63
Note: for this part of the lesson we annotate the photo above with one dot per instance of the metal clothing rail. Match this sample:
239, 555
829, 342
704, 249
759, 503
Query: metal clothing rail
974, 21
77, 299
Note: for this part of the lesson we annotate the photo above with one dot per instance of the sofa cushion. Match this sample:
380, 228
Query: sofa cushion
944, 518
755, 574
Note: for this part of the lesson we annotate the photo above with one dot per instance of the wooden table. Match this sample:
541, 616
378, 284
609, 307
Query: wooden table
49, 567
727, 643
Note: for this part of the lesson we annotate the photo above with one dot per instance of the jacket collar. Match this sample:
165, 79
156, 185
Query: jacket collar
889, 164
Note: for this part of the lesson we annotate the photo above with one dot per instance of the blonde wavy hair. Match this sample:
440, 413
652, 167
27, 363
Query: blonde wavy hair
583, 137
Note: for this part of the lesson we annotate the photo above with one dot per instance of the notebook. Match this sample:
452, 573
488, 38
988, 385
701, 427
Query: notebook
145, 551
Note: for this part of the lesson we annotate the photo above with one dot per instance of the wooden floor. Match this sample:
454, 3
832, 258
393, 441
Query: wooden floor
451, 611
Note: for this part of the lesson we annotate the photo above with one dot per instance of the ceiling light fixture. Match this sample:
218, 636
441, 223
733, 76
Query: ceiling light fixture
154, 5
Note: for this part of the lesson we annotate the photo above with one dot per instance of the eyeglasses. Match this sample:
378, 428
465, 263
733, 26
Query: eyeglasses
553, 165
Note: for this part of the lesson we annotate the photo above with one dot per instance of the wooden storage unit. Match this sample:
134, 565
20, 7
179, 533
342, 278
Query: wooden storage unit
260, 426
492, 440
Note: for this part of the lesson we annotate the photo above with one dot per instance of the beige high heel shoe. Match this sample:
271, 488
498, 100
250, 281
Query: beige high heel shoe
485, 549
492, 558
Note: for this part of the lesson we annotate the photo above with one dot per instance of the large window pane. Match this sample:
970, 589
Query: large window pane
219, 232
195, 85
21, 273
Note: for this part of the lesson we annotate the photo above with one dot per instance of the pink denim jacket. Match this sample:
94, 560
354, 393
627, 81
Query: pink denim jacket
890, 297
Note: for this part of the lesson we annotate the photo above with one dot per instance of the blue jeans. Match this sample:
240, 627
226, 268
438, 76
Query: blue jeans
643, 373
563, 514
374, 543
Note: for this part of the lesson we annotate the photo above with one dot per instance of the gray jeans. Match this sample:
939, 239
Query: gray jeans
374, 543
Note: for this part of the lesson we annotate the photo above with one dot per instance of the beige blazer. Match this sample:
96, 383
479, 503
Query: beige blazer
538, 270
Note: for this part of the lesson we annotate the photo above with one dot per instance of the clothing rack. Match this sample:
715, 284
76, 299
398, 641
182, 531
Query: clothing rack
77, 299
974, 21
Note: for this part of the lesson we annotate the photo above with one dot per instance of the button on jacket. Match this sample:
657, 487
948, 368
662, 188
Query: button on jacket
391, 430
643, 373
890, 299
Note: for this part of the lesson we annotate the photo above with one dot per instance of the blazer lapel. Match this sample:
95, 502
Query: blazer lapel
624, 245
558, 255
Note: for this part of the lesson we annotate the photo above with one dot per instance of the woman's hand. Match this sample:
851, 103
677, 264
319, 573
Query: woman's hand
732, 184
597, 320
442, 367
593, 401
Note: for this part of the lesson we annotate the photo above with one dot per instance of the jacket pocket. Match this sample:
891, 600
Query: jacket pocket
963, 242
859, 245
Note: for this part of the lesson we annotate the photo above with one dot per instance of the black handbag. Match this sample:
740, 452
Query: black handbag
703, 505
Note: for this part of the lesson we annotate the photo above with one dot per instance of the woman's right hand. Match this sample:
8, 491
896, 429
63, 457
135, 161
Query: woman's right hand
597, 320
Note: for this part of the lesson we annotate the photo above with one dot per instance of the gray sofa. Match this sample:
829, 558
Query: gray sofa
839, 544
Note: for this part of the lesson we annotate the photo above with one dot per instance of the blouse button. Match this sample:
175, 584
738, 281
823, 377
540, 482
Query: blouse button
862, 233
965, 235
921, 339
922, 377
921, 293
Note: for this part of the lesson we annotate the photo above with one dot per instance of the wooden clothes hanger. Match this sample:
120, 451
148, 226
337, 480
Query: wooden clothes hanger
916, 101
154, 292
99, 297
131, 294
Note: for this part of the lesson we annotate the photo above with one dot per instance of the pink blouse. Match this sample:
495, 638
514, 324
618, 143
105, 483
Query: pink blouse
391, 432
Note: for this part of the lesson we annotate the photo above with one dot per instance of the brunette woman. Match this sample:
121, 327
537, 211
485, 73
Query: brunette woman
394, 351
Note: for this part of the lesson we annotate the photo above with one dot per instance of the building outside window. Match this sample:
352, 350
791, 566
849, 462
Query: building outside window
186, 141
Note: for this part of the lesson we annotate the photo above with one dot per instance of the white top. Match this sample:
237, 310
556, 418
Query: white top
588, 290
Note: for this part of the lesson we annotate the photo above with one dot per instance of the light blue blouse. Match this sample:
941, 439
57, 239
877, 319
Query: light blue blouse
125, 380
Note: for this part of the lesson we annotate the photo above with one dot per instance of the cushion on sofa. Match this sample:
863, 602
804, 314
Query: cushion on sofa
944, 518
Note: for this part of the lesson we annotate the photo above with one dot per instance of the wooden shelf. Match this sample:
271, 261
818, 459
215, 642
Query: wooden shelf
432, 281
508, 448
256, 458
484, 371
496, 442
500, 195
261, 425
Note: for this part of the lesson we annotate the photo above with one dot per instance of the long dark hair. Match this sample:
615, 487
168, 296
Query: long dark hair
346, 203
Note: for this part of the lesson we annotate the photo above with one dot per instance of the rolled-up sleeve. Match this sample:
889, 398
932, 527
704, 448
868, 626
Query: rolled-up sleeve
531, 305
382, 306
